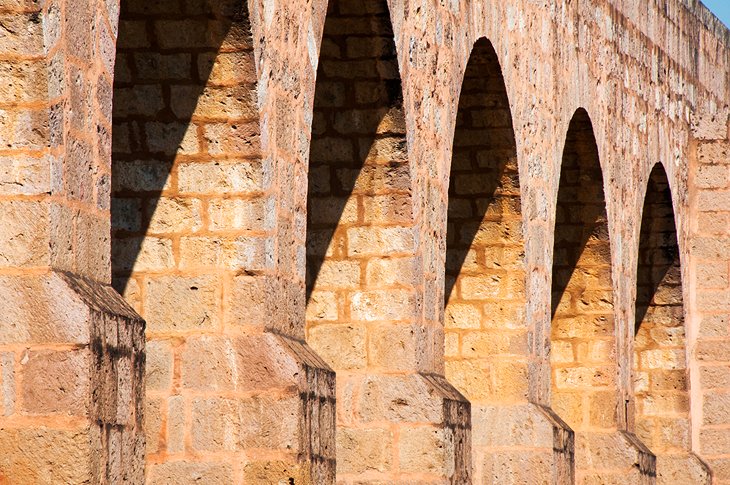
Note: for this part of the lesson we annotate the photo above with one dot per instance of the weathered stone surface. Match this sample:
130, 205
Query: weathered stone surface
340, 172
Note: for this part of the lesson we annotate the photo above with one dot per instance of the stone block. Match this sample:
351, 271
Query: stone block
177, 305
45, 455
362, 450
377, 305
342, 346
392, 347
171, 215
374, 241
55, 382
224, 177
190, 473
24, 234
425, 449
159, 365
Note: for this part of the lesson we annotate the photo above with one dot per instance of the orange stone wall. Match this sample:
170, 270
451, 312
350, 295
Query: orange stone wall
193, 215
236, 163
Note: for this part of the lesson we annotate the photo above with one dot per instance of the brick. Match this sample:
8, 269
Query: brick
423, 449
22, 82
713, 177
55, 382
392, 347
716, 200
389, 272
382, 305
379, 241
172, 138
24, 233
185, 34
322, 305
153, 425
713, 153
141, 176
462, 316
363, 449
157, 66
159, 365
238, 214
342, 346
188, 473
178, 214
143, 254
714, 441
176, 425
232, 177
715, 408
38, 453
713, 377
227, 68
177, 305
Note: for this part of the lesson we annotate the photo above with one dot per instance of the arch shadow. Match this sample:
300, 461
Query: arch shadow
583, 344
581, 204
661, 383
166, 54
484, 188
358, 149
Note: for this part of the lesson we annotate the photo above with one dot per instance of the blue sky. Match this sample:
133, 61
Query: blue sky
721, 8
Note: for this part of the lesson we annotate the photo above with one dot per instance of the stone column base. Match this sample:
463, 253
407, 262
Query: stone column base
299, 388
254, 408
521, 444
614, 457
72, 356
682, 468
402, 429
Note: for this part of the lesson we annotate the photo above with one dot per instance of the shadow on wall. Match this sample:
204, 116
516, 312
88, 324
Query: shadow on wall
165, 56
484, 179
358, 148
658, 249
581, 209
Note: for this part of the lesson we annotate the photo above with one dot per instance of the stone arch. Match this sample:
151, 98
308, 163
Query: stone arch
360, 281
661, 378
186, 135
194, 222
583, 341
486, 336
359, 217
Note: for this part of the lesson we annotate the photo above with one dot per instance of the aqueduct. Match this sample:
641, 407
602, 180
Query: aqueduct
308, 241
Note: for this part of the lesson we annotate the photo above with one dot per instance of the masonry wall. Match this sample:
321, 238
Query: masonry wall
708, 330
72, 349
193, 214
214, 203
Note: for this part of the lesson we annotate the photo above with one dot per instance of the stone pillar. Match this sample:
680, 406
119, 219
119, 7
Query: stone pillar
71, 350
399, 420
234, 394
709, 296
584, 349
487, 356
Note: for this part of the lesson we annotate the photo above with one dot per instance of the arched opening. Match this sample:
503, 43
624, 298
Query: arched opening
583, 345
661, 382
360, 292
190, 224
486, 337
359, 207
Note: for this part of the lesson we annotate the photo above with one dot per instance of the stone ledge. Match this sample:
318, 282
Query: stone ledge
619, 455
87, 345
293, 367
523, 441
430, 415
682, 468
